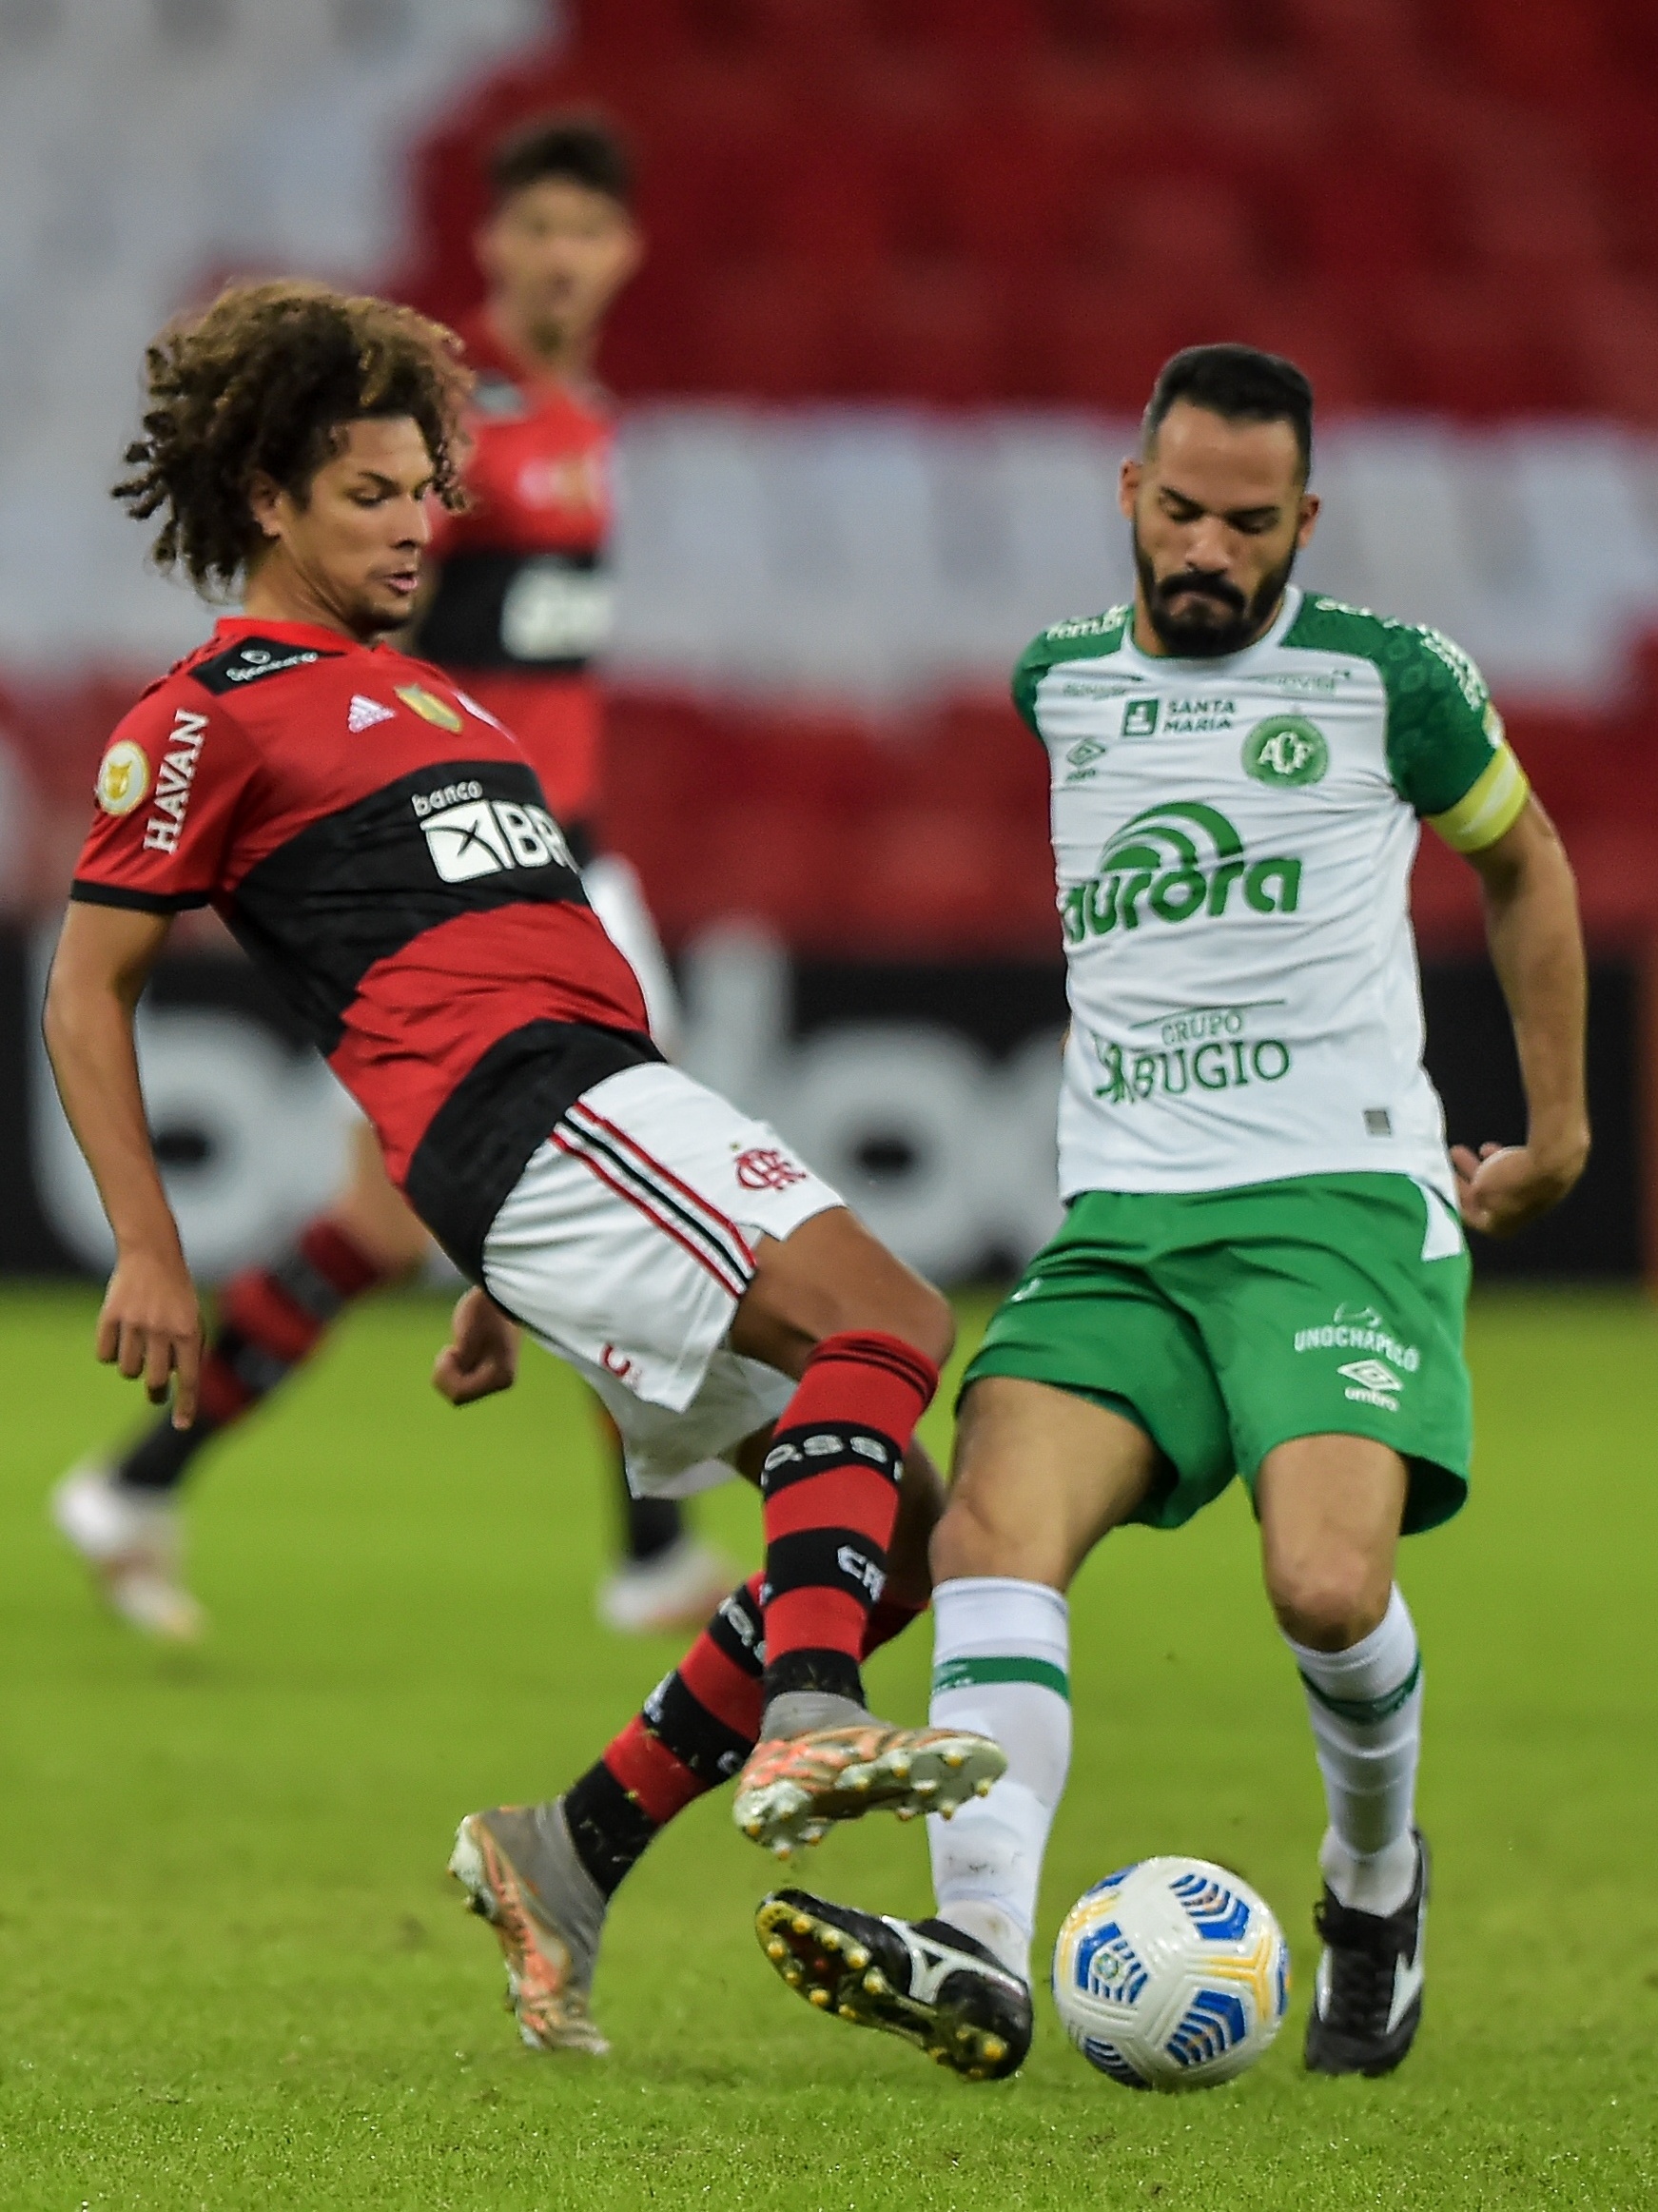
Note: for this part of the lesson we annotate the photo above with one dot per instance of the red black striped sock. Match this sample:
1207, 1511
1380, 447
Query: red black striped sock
831, 1488
695, 1730
270, 1320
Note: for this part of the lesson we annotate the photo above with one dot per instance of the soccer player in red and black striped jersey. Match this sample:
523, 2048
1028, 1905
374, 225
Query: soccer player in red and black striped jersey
519, 607
381, 846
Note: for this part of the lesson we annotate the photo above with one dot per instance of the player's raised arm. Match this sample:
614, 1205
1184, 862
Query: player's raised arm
1536, 948
150, 1324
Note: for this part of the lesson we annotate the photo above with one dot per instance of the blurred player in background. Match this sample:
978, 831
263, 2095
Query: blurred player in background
1261, 1270
520, 606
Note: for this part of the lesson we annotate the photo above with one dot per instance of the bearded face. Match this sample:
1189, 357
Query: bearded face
1200, 615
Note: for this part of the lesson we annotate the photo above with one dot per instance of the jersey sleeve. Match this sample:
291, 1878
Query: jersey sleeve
1447, 751
1028, 670
170, 789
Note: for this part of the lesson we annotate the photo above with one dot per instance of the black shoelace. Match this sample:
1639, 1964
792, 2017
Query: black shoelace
1364, 1951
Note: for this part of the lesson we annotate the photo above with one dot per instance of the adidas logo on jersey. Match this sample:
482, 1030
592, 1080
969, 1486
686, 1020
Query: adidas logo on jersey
364, 713
487, 836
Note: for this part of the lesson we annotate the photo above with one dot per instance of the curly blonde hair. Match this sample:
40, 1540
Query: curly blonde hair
262, 382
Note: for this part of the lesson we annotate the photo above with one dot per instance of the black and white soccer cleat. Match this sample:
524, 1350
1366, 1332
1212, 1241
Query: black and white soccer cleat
1367, 2001
920, 1979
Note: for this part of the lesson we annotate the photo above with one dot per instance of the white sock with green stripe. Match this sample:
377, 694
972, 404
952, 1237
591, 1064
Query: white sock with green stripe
1002, 1666
1366, 1709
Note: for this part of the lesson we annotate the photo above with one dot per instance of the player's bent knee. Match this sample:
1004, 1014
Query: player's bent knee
1329, 1605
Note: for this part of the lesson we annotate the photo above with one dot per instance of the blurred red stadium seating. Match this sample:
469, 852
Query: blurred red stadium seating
1452, 207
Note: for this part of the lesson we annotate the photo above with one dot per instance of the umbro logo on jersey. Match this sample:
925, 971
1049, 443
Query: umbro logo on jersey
364, 713
483, 836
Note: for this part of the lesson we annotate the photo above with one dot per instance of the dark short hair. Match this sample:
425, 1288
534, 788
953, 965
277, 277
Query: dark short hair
577, 148
1240, 384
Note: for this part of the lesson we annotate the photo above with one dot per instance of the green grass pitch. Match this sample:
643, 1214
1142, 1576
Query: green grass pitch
232, 1974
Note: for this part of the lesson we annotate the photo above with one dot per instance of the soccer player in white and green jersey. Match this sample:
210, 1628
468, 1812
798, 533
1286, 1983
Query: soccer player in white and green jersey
1262, 1268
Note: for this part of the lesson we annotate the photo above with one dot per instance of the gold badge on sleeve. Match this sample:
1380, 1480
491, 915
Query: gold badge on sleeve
123, 778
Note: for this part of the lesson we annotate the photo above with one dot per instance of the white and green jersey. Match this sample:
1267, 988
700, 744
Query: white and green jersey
1232, 843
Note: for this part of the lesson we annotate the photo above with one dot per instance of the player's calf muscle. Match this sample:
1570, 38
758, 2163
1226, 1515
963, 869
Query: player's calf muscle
920, 1501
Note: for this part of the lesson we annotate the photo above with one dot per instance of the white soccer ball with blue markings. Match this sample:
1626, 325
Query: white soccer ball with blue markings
1171, 1974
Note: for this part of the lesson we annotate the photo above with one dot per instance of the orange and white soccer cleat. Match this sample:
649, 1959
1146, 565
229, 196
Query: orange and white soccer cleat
794, 1788
521, 1873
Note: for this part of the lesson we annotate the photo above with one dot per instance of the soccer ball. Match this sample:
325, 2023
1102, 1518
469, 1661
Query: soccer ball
1171, 1974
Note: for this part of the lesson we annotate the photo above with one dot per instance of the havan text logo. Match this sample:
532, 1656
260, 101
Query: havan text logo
1169, 863
173, 781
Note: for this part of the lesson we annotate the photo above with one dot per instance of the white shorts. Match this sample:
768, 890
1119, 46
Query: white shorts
625, 1246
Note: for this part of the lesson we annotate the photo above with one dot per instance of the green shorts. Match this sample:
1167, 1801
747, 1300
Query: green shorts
1224, 1322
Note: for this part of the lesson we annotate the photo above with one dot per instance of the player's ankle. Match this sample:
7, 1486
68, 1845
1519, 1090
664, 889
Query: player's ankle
1377, 1881
805, 1712
991, 1925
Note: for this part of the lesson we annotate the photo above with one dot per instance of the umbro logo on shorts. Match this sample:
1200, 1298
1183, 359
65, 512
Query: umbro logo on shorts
1374, 1382
480, 836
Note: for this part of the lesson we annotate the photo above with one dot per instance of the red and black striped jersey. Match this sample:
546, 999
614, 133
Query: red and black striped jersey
382, 848
522, 602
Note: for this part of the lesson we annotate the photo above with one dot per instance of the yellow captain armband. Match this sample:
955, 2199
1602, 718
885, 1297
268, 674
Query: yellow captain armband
1491, 805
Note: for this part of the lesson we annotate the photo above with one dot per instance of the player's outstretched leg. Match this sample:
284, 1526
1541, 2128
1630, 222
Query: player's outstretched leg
123, 1518
543, 1876
1331, 1508
1365, 1704
866, 1336
924, 1980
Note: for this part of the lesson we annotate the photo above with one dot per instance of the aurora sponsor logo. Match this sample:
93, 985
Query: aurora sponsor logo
1171, 862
